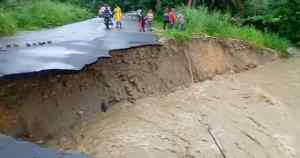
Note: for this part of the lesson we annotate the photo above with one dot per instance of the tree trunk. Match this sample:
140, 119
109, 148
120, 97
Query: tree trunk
240, 5
158, 5
194, 3
190, 2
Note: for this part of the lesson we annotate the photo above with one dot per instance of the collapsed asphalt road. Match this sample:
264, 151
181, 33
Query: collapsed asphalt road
67, 48
250, 114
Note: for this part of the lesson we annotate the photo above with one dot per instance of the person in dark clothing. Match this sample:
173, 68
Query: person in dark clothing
166, 19
142, 22
107, 15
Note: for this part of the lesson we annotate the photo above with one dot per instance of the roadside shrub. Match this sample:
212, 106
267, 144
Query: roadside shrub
39, 14
7, 24
180, 36
280, 16
201, 21
48, 14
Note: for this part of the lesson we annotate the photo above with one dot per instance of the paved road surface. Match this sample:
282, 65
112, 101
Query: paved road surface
92, 29
72, 47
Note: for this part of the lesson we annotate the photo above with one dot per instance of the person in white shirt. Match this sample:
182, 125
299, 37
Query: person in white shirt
181, 21
150, 18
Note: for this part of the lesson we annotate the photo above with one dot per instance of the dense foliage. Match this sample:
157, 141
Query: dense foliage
279, 16
7, 24
38, 14
202, 21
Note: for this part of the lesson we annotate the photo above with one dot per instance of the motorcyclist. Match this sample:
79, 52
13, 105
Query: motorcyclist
107, 15
100, 12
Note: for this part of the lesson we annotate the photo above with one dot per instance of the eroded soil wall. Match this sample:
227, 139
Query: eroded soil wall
49, 106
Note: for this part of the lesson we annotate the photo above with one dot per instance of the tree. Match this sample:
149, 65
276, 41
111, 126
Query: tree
158, 5
190, 2
288, 15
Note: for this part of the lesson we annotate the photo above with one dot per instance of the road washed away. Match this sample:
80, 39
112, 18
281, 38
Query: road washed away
253, 114
66, 48
136, 102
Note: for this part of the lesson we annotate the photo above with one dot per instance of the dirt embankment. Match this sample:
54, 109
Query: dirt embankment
50, 106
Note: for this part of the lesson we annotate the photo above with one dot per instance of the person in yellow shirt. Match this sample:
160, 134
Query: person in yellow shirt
118, 17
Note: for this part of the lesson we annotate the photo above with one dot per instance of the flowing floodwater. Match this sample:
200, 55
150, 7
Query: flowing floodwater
253, 114
281, 79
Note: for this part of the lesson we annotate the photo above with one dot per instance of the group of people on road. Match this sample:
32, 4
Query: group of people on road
107, 15
171, 19
145, 20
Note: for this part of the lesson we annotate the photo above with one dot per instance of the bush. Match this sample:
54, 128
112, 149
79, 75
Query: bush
41, 14
48, 14
7, 24
179, 36
216, 24
280, 16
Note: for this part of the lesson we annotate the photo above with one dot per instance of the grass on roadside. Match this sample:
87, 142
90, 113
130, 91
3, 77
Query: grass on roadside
201, 21
39, 14
8, 24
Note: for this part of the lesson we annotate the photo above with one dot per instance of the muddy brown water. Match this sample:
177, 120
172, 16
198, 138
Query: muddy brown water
253, 114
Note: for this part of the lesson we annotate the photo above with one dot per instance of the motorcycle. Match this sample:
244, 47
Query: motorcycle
107, 22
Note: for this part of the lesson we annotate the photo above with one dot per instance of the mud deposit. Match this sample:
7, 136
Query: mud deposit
50, 108
229, 116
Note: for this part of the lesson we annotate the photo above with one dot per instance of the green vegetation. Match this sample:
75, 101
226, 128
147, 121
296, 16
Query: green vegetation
8, 24
39, 14
281, 16
278, 16
259, 22
201, 21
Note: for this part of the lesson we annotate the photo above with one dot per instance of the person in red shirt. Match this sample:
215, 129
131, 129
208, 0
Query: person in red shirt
172, 18
142, 21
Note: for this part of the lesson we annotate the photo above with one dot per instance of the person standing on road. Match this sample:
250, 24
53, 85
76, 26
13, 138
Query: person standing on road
107, 17
141, 22
150, 17
166, 19
118, 17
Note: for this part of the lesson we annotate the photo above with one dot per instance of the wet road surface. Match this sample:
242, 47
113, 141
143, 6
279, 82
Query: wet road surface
71, 48
84, 31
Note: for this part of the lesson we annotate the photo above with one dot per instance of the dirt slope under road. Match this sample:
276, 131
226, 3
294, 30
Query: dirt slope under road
49, 106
